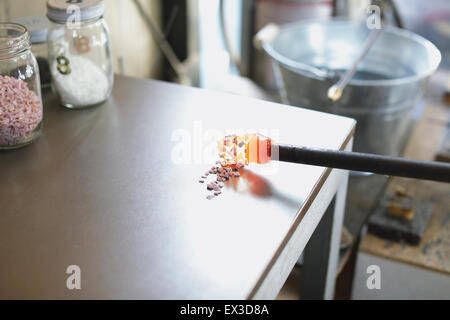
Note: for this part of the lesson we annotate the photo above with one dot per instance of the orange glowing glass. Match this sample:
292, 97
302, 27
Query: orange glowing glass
242, 150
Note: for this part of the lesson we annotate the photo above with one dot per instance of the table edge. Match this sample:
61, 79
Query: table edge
298, 218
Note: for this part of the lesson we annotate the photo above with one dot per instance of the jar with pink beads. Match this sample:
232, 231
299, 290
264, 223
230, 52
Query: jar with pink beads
20, 89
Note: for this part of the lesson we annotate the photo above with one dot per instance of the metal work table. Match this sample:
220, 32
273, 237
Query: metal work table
104, 189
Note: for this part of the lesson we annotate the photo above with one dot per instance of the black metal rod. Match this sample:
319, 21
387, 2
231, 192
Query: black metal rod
355, 161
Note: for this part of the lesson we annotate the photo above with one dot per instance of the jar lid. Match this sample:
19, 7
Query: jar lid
62, 10
37, 26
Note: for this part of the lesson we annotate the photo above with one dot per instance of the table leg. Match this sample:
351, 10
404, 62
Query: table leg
322, 251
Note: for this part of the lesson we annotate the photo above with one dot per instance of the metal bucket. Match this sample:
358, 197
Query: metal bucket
310, 56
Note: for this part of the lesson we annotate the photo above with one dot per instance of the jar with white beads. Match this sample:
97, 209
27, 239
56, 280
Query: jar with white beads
79, 52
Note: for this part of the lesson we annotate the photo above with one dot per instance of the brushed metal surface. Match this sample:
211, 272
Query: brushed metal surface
99, 190
311, 56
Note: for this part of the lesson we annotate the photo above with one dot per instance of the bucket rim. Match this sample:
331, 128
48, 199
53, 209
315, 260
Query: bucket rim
312, 71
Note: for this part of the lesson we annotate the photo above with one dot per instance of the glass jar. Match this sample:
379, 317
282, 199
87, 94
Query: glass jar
20, 88
79, 52
40, 51
38, 28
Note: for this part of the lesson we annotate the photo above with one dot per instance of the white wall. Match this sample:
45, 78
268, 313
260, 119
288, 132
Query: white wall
132, 43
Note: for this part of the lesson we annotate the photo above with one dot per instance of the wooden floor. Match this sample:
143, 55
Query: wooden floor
433, 252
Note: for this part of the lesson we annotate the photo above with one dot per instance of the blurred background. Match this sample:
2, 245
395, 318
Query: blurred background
212, 40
